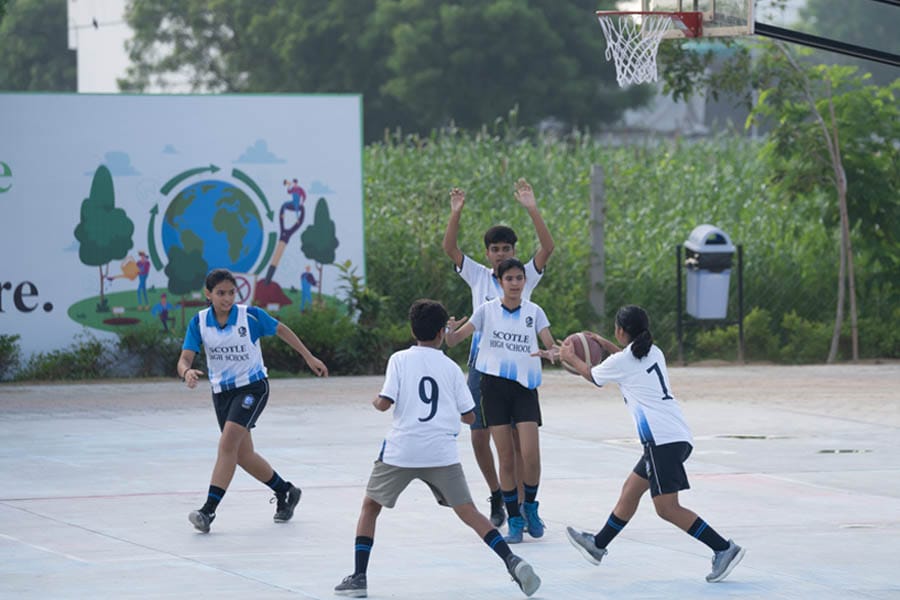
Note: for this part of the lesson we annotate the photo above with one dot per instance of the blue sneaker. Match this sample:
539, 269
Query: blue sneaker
514, 534
535, 525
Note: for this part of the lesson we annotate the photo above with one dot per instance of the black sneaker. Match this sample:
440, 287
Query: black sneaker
353, 586
284, 510
523, 574
201, 520
498, 511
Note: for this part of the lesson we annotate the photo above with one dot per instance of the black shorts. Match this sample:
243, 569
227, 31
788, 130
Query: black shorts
242, 405
504, 401
663, 466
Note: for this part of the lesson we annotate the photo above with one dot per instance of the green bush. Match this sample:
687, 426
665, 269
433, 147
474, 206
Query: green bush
719, 342
804, 341
880, 337
760, 338
148, 351
322, 330
86, 358
346, 348
10, 355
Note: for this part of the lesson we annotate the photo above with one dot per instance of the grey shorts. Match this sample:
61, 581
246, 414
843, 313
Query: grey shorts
448, 484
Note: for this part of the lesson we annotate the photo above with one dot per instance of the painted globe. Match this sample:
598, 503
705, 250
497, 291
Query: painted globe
218, 220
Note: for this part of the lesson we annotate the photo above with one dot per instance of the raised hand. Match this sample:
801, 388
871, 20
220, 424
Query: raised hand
457, 199
524, 193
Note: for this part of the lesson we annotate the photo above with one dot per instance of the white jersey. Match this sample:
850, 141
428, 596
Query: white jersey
429, 393
645, 385
508, 339
485, 287
233, 355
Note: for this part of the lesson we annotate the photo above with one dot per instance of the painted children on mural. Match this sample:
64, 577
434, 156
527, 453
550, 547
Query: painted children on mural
307, 283
143, 265
161, 311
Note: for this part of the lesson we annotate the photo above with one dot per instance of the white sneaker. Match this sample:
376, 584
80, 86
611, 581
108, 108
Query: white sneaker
523, 574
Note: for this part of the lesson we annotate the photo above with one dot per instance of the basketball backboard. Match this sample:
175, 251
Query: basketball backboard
721, 18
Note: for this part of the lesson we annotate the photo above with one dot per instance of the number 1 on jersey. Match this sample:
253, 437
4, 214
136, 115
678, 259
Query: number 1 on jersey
662, 383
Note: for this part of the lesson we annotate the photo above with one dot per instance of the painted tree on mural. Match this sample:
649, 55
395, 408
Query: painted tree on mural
318, 240
187, 273
104, 231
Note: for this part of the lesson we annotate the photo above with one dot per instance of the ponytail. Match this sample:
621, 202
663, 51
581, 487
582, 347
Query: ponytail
635, 322
640, 346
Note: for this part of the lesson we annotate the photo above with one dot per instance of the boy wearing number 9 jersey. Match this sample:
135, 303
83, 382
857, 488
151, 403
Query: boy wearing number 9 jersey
640, 371
430, 397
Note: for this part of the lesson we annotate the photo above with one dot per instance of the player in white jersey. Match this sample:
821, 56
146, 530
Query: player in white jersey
500, 244
640, 371
230, 334
509, 359
429, 395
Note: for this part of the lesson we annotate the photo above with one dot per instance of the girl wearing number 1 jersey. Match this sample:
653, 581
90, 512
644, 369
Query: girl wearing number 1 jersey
640, 371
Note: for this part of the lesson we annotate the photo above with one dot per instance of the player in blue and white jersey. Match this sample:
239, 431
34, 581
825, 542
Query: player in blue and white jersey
500, 244
509, 359
640, 371
229, 333
428, 393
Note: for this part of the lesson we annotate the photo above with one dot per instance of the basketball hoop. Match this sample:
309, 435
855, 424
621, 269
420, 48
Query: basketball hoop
633, 37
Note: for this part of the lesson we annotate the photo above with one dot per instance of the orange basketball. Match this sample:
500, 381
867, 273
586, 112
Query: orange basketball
585, 346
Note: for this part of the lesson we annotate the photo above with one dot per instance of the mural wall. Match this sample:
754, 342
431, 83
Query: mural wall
115, 207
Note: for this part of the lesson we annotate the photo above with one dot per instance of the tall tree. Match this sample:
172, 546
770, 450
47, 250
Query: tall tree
104, 231
833, 130
34, 53
837, 133
418, 65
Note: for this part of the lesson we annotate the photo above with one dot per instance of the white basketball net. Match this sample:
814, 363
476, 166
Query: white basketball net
632, 40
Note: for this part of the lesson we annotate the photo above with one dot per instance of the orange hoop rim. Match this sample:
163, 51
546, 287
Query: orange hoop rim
692, 20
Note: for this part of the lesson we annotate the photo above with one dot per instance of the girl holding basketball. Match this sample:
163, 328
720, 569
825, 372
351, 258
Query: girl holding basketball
230, 334
640, 371
510, 360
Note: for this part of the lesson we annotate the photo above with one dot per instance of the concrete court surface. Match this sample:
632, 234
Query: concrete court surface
797, 464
